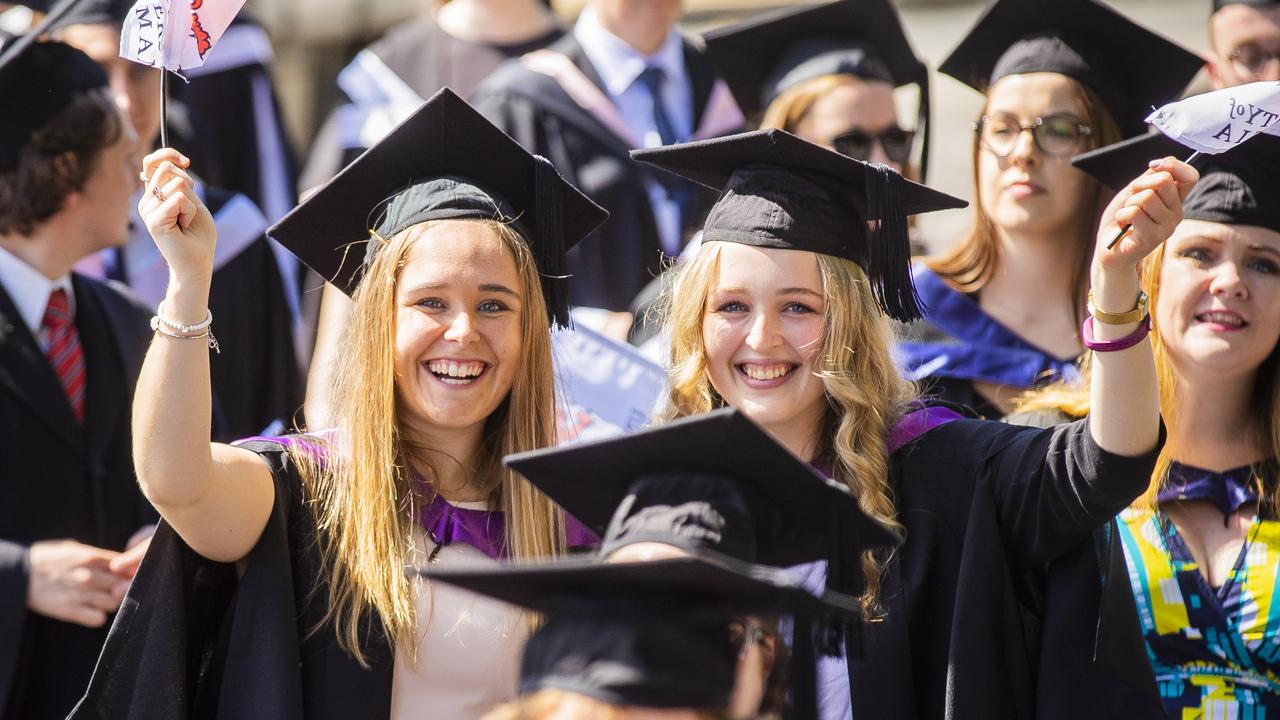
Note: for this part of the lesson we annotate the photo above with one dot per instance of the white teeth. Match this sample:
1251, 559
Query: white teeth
765, 372
1222, 318
449, 369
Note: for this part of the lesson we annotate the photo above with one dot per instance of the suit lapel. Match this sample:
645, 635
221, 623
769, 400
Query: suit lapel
105, 392
26, 372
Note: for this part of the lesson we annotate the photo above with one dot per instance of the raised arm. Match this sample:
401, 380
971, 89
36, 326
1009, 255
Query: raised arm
217, 497
1124, 415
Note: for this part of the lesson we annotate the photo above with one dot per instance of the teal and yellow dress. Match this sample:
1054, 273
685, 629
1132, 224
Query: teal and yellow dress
1215, 651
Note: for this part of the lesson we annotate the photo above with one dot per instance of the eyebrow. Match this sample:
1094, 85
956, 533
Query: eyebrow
1265, 248
781, 291
484, 287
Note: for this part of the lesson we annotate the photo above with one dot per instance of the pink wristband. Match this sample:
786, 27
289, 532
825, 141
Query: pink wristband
1124, 343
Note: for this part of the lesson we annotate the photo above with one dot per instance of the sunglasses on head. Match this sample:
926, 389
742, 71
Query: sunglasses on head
858, 144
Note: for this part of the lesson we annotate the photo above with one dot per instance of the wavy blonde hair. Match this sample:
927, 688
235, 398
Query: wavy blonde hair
969, 265
366, 498
865, 394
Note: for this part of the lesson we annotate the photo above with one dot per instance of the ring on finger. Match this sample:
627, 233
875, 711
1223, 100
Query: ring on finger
155, 191
142, 175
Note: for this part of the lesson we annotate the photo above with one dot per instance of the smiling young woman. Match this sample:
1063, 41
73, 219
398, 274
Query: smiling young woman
1006, 301
446, 367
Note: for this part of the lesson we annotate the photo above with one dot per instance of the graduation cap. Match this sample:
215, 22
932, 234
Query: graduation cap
38, 80
445, 161
96, 12
763, 57
1130, 67
711, 482
779, 191
651, 634
1117, 164
1238, 187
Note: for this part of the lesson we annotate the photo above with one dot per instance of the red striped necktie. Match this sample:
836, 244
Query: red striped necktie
65, 353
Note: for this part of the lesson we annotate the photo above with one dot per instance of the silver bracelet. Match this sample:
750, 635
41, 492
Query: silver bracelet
159, 325
184, 329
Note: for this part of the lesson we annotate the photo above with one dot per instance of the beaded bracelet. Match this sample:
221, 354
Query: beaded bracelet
1124, 343
160, 325
185, 330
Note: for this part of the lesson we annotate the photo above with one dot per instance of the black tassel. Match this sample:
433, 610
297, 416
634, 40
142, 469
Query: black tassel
804, 672
889, 245
548, 246
844, 575
922, 124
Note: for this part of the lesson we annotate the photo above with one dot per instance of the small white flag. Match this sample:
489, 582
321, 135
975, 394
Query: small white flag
175, 34
1220, 120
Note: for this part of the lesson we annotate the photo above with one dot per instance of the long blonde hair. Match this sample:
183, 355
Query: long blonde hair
366, 497
865, 394
969, 265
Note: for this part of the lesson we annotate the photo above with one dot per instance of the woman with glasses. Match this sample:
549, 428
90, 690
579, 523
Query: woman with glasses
827, 75
1005, 304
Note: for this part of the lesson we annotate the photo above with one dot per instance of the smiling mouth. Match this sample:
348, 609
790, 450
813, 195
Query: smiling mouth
451, 372
1222, 317
765, 373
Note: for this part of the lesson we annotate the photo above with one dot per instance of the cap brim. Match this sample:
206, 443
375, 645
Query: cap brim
443, 137
748, 52
712, 163
676, 583
590, 479
1117, 164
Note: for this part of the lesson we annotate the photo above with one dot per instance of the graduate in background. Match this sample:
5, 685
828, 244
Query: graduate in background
623, 78
1005, 304
1245, 35
445, 368
256, 379
70, 351
782, 315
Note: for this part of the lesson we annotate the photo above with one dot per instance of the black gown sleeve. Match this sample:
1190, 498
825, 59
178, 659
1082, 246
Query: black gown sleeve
14, 570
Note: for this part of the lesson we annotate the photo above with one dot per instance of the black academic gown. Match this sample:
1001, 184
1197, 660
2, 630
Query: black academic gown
193, 641
614, 263
61, 480
992, 606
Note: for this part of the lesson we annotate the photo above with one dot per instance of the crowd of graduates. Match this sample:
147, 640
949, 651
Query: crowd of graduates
280, 439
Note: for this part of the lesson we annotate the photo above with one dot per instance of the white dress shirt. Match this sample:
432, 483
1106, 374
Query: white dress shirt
29, 290
619, 66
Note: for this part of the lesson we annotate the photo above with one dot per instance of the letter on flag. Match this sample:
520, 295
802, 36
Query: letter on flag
1220, 120
175, 34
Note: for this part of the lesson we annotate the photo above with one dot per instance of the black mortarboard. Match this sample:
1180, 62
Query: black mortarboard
38, 79
762, 57
445, 161
1239, 186
96, 12
651, 634
779, 191
715, 482
1130, 67
1119, 163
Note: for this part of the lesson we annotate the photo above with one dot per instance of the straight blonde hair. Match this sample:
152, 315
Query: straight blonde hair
366, 497
865, 394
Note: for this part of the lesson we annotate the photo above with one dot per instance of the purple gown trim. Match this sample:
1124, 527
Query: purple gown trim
1227, 490
916, 423
485, 530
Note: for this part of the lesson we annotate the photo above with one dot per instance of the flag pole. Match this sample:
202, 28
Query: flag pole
1124, 230
164, 107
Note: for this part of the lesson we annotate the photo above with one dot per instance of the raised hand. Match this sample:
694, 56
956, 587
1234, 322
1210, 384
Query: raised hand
179, 223
1152, 205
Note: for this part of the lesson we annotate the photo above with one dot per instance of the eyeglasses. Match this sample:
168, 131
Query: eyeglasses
1253, 59
1056, 135
857, 144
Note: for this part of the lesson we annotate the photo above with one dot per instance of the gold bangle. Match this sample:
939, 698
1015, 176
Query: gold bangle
1109, 318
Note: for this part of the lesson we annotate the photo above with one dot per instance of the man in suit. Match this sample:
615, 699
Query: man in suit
70, 352
624, 78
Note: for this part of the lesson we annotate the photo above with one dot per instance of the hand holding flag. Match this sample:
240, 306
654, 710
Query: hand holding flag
1218, 121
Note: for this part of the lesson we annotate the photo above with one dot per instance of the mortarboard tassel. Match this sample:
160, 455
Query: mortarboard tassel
889, 245
804, 675
922, 124
548, 247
